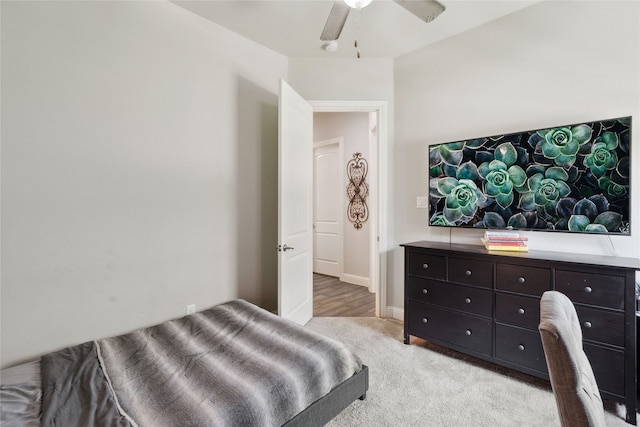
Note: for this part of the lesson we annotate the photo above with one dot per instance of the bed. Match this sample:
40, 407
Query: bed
233, 364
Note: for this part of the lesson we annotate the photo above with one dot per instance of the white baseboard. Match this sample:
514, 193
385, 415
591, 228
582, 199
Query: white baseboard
394, 313
355, 280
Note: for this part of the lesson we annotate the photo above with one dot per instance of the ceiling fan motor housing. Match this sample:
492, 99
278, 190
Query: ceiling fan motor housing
357, 4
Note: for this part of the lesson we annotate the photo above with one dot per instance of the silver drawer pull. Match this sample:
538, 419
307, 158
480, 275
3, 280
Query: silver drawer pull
425, 265
467, 300
521, 311
425, 291
587, 324
425, 320
468, 272
520, 347
588, 289
521, 279
468, 332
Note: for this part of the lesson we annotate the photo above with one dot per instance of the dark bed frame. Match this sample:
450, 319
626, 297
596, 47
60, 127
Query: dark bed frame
327, 407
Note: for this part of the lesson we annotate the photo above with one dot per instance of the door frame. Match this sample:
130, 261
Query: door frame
379, 158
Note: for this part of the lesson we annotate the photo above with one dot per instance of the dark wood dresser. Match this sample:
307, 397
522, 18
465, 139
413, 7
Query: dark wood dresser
487, 304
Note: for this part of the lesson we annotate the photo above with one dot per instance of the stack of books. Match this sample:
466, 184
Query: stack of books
504, 241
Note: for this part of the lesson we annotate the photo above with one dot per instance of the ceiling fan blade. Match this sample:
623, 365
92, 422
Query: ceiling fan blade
335, 21
427, 10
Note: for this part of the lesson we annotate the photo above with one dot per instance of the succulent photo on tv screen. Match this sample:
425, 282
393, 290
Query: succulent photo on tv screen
572, 178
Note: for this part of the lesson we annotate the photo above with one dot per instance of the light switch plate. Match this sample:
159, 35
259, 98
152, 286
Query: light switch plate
422, 202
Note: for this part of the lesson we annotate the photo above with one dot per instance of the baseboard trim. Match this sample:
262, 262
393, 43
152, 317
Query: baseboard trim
355, 280
394, 313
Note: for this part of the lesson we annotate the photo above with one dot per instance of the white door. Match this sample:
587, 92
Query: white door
327, 208
295, 206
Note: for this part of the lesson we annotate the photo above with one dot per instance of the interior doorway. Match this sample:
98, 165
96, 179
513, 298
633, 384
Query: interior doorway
328, 233
295, 125
371, 280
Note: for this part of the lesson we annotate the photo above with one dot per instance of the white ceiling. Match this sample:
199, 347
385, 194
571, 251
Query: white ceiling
293, 27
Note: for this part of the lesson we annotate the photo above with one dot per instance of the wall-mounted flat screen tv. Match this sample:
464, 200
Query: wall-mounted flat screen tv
573, 178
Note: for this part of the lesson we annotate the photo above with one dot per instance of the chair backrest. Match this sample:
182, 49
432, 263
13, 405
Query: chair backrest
574, 385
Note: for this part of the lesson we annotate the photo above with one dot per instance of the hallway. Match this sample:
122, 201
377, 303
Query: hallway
333, 298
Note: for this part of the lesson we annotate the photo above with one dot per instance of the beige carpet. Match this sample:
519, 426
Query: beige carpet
426, 385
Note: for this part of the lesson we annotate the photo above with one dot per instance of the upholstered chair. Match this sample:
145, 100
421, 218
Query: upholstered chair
574, 385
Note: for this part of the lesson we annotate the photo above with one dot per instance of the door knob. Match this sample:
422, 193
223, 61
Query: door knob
284, 248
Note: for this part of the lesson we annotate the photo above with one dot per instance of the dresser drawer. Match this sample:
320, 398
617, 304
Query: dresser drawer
471, 272
463, 298
590, 288
524, 280
602, 326
520, 346
423, 265
608, 368
518, 310
459, 329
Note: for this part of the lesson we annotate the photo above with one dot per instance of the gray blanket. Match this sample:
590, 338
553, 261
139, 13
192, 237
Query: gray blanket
232, 365
75, 391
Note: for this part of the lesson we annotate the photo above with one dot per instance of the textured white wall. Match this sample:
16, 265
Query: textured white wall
139, 169
354, 127
554, 63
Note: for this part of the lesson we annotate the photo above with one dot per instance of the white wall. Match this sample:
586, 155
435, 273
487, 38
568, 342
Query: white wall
354, 128
551, 64
139, 169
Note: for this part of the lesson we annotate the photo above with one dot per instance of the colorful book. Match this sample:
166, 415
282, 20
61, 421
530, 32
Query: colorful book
507, 239
508, 248
513, 243
502, 234
505, 246
503, 242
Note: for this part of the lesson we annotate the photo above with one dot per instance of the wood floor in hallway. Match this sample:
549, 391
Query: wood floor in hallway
333, 298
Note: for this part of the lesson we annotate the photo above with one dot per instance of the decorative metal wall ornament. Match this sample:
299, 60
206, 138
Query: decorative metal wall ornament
357, 190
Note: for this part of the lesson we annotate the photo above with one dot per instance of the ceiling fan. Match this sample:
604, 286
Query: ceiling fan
426, 10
